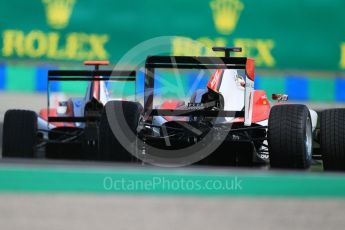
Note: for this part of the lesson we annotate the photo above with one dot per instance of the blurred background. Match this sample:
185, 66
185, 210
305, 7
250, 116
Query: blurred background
299, 46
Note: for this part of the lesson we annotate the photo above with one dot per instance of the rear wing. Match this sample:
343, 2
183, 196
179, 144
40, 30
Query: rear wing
195, 62
84, 75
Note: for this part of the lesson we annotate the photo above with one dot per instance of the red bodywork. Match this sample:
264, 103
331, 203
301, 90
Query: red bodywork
215, 80
250, 68
261, 107
173, 104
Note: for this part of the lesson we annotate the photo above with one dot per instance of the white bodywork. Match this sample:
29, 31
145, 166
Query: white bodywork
313, 116
237, 91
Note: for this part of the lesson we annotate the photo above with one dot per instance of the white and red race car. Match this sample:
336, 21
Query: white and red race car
228, 122
69, 129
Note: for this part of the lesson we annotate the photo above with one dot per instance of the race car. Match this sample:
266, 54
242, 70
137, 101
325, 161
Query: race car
226, 123
71, 129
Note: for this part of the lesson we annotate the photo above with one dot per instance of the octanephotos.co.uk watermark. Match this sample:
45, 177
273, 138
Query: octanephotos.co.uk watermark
163, 183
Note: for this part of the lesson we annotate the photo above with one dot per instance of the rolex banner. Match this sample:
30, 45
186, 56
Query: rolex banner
294, 34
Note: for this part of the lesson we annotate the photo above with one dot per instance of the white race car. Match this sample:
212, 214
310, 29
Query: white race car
71, 129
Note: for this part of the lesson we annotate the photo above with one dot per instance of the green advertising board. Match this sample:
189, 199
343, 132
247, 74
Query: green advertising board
294, 34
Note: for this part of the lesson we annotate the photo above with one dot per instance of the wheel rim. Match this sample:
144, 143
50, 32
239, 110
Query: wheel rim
308, 140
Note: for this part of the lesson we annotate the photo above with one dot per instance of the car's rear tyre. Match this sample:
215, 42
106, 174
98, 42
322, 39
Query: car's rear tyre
290, 137
19, 134
332, 139
119, 122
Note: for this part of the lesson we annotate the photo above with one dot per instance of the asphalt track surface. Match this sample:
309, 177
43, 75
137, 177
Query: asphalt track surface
43, 194
56, 211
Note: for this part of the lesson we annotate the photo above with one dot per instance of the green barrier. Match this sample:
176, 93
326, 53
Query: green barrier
321, 89
21, 79
278, 34
172, 182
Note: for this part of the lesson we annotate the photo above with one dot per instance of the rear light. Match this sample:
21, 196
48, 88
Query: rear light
263, 100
